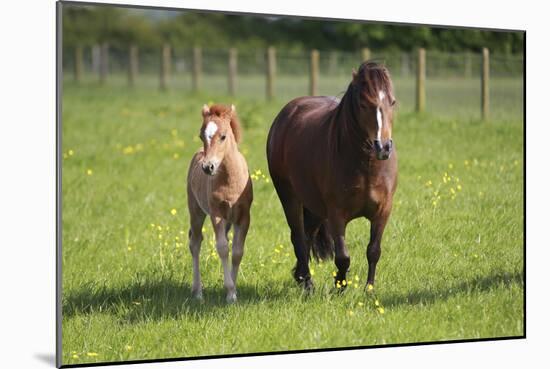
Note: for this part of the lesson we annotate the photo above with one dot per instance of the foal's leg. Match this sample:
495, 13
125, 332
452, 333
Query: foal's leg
195, 239
222, 245
373, 249
341, 254
239, 235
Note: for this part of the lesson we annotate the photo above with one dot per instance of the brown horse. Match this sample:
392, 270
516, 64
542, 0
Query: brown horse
331, 162
219, 185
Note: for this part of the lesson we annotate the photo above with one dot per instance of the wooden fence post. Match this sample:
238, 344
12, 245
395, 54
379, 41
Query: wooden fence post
96, 51
365, 54
133, 65
485, 85
271, 71
78, 63
404, 64
467, 65
103, 62
197, 68
232, 69
421, 81
332, 62
314, 73
165, 66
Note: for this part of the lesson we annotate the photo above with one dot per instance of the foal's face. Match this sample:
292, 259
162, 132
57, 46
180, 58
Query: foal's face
217, 138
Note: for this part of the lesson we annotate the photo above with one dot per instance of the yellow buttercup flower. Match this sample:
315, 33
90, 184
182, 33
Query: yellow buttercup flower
381, 310
89, 172
370, 287
92, 354
173, 211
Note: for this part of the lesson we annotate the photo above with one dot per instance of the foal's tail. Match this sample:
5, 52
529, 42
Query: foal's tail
319, 240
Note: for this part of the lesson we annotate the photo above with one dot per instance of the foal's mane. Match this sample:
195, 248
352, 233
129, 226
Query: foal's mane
226, 111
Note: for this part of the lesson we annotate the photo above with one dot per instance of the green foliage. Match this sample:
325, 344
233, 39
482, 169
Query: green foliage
453, 270
85, 24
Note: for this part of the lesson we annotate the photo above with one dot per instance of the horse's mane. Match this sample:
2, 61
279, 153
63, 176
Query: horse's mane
223, 110
367, 82
371, 78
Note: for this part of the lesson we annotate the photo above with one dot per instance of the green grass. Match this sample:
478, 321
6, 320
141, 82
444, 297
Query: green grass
449, 271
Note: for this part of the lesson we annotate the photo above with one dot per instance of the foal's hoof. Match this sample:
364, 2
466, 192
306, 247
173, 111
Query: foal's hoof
231, 298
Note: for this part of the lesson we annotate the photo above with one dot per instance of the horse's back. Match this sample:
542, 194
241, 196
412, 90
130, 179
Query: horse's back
298, 115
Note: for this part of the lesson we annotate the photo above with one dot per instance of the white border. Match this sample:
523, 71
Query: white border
27, 206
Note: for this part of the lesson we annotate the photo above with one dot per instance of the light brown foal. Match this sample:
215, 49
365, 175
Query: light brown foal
219, 185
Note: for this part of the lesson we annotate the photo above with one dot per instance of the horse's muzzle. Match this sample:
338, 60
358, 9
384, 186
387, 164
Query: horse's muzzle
209, 168
383, 152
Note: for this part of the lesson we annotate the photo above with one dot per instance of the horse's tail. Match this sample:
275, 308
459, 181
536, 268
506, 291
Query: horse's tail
319, 240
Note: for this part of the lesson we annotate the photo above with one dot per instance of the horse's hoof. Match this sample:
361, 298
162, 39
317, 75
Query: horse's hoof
340, 282
306, 283
309, 287
231, 298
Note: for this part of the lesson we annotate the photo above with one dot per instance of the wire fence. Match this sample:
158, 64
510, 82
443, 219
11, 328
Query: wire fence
452, 87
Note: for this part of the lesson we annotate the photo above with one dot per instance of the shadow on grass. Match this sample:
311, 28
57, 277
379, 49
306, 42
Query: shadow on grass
477, 284
165, 298
168, 298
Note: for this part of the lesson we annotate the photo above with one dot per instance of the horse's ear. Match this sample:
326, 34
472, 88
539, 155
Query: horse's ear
205, 110
232, 108
353, 73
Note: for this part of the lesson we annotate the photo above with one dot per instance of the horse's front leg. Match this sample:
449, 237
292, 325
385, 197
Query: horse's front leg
337, 227
222, 246
374, 248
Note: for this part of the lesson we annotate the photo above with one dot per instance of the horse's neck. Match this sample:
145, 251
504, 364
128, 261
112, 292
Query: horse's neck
232, 168
350, 140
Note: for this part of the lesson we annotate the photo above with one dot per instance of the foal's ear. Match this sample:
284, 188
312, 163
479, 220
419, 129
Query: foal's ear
233, 108
353, 73
205, 110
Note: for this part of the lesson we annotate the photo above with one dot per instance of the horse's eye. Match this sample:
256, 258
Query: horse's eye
393, 102
222, 137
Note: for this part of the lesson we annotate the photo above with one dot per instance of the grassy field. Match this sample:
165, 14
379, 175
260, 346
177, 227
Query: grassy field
452, 254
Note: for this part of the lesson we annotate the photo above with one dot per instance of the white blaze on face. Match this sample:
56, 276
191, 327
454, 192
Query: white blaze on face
379, 120
210, 131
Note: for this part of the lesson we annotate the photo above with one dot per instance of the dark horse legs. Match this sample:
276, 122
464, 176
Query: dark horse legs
373, 249
341, 254
295, 219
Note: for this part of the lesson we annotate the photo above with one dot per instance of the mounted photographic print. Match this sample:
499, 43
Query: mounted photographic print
241, 184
